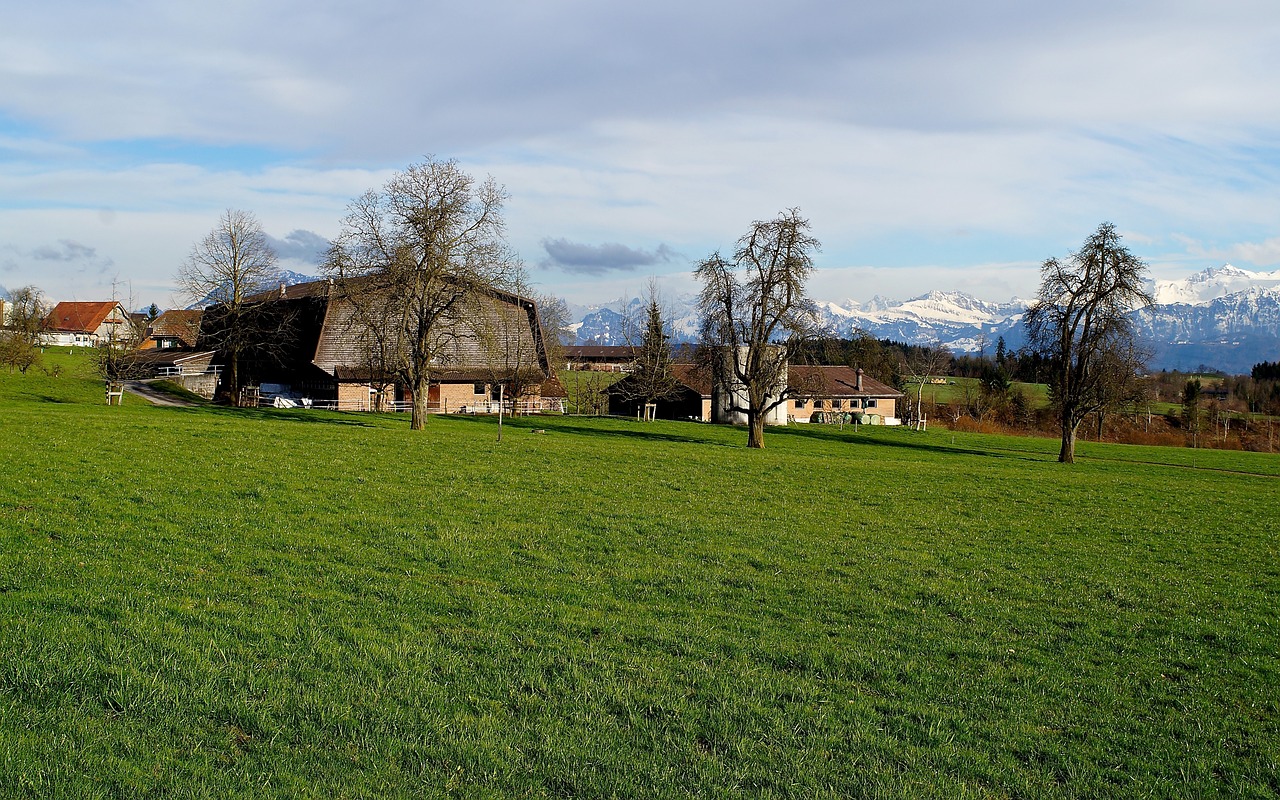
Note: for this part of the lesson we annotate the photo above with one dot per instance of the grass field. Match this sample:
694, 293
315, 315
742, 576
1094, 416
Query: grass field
209, 603
954, 391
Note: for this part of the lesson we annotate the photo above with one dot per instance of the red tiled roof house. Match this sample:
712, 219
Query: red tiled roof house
84, 324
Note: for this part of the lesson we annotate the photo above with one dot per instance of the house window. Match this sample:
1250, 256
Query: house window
802, 403
870, 402
477, 389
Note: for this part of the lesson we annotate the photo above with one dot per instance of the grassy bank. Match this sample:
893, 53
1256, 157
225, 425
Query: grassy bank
206, 602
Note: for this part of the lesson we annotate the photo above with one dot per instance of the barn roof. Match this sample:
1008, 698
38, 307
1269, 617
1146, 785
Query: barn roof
335, 343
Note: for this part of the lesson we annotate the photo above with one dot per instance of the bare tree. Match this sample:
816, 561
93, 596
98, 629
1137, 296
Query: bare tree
755, 312
419, 248
553, 313
224, 271
1121, 383
1080, 322
921, 367
511, 338
115, 362
20, 339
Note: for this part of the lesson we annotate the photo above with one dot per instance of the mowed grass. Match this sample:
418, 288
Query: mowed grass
207, 602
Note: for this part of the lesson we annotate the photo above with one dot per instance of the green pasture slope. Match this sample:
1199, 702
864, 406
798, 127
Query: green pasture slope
214, 603
954, 391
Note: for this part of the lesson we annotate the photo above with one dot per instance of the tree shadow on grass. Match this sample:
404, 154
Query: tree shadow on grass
314, 417
835, 436
558, 424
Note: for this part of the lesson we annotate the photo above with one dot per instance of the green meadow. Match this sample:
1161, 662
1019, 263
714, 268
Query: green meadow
207, 602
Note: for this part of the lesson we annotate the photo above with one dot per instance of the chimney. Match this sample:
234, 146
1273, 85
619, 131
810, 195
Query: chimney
282, 291
859, 378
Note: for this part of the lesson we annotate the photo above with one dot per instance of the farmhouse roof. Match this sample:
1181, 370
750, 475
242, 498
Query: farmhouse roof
828, 381
178, 323
79, 317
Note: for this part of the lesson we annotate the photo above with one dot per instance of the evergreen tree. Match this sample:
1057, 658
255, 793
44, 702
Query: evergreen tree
653, 379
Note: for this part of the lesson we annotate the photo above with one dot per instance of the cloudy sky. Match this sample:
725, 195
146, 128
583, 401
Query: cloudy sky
933, 145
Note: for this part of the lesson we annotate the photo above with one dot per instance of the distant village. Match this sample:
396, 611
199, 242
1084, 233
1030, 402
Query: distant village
312, 356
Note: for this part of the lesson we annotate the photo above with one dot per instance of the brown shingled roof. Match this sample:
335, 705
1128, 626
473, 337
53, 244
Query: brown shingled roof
824, 381
178, 323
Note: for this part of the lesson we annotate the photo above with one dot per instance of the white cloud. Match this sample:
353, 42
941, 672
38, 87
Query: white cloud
921, 137
1258, 254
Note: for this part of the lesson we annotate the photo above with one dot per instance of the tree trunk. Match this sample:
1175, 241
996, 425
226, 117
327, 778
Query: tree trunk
421, 394
1067, 455
234, 375
755, 430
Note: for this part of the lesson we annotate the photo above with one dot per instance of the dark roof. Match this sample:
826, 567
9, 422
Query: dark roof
157, 359
693, 377
824, 381
298, 290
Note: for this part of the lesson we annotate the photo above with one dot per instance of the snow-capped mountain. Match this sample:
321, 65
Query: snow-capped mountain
1224, 317
938, 316
623, 321
1212, 284
949, 317
1231, 333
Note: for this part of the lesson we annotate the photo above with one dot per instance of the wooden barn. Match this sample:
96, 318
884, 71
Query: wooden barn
311, 345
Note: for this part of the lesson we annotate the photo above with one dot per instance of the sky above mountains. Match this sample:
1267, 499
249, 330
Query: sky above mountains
933, 145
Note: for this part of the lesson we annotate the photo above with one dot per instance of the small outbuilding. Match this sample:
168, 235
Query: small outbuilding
690, 401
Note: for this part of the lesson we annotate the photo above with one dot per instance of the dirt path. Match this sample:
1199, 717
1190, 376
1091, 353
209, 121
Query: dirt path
156, 398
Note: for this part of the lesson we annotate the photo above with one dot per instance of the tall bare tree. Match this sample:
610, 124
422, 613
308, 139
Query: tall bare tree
224, 271
1081, 322
755, 312
23, 328
512, 341
553, 313
418, 249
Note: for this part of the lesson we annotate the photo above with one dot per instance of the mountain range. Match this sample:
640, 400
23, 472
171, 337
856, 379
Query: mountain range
1223, 317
